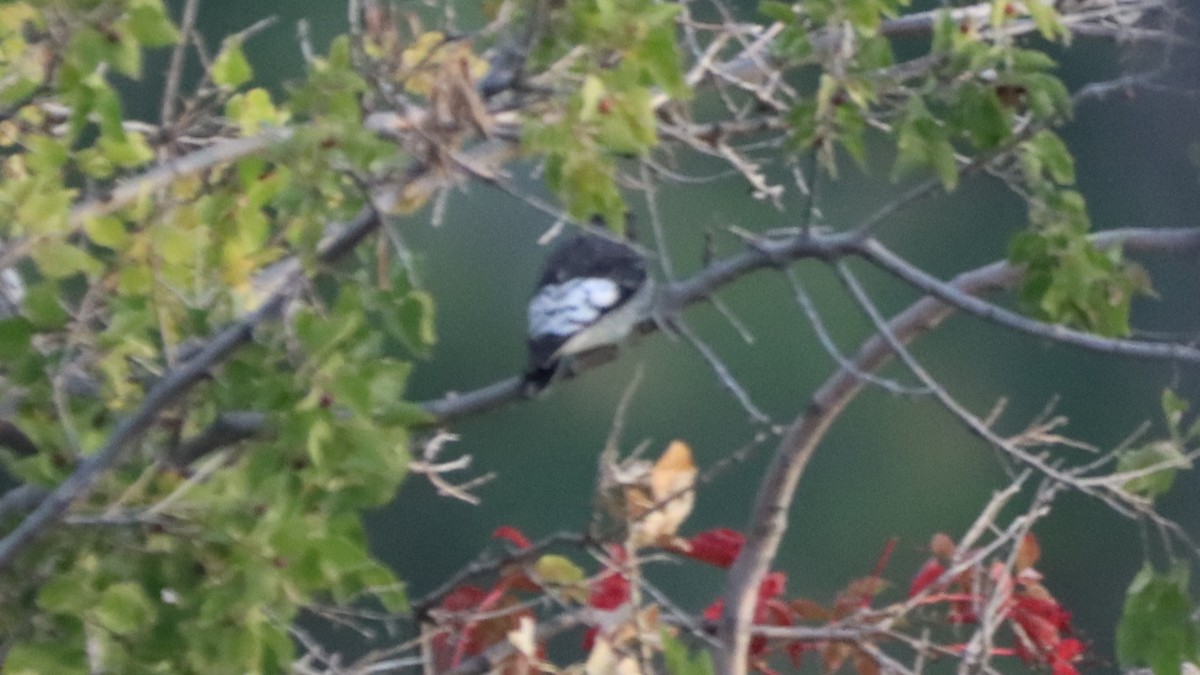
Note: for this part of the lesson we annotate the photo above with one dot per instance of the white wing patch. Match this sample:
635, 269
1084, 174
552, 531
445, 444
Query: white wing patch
567, 308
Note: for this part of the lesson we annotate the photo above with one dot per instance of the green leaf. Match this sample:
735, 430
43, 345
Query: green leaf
590, 95
944, 163
67, 593
253, 110
37, 658
1046, 19
1164, 453
679, 662
107, 231
777, 11
659, 57
45, 154
1156, 628
231, 69
981, 114
135, 279
149, 23
1173, 407
1054, 156
43, 307
58, 259
379, 581
16, 333
128, 151
124, 608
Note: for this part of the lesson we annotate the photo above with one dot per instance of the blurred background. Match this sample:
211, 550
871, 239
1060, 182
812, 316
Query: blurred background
892, 466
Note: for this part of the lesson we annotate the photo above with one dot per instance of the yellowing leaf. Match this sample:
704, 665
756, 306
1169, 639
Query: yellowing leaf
58, 259
231, 69
107, 231
670, 497
423, 62
557, 569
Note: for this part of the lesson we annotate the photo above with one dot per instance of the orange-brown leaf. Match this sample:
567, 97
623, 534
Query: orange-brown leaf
810, 610
835, 654
1028, 552
671, 480
864, 663
942, 546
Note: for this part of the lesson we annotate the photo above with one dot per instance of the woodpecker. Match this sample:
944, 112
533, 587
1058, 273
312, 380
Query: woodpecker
592, 292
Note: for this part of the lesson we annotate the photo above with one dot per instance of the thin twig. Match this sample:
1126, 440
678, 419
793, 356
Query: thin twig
826, 340
175, 70
723, 373
878, 254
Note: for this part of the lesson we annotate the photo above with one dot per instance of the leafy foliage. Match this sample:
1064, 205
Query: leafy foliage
1157, 627
201, 560
612, 112
198, 567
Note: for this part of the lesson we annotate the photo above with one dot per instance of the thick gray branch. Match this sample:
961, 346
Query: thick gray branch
229, 428
772, 253
778, 488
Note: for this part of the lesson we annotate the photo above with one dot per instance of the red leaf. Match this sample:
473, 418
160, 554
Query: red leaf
767, 611
1063, 668
609, 592
719, 547
929, 573
1064, 656
589, 638
463, 598
772, 586
713, 611
885, 557
1049, 610
512, 535
468, 636
775, 613
796, 649
1069, 649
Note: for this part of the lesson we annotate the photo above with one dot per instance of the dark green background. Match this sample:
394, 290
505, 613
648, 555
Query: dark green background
891, 466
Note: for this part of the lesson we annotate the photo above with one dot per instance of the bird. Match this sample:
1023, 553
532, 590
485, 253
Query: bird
592, 292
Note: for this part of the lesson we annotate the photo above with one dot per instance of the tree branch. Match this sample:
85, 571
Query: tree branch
778, 488
228, 428
885, 259
166, 392
160, 177
673, 298
770, 253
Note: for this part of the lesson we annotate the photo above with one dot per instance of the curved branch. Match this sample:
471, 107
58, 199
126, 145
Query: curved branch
885, 259
777, 490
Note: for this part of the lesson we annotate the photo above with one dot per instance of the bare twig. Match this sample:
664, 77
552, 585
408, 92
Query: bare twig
723, 373
831, 348
175, 70
879, 254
